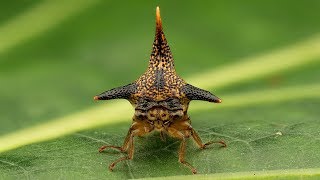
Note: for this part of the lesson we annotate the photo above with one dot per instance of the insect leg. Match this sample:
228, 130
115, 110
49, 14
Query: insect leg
130, 153
122, 148
182, 155
175, 130
137, 129
198, 140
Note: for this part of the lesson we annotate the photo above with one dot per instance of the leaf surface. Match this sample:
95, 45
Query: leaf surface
261, 58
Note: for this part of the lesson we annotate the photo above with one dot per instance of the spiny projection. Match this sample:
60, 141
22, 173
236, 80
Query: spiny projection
161, 99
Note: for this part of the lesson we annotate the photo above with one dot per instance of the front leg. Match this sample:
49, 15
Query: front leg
182, 129
182, 151
130, 152
122, 148
198, 140
184, 125
127, 145
178, 134
138, 128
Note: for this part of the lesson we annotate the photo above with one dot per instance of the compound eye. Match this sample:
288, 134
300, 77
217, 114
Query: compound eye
151, 116
177, 114
139, 114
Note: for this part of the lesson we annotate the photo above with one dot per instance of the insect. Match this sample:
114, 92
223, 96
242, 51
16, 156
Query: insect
161, 99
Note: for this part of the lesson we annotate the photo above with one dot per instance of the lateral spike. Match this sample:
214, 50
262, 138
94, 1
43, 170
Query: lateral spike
122, 92
194, 93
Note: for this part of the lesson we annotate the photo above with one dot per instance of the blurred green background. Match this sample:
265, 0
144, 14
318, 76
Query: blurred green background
53, 62
108, 44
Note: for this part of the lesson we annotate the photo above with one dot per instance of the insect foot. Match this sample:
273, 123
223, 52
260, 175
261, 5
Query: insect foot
160, 99
214, 142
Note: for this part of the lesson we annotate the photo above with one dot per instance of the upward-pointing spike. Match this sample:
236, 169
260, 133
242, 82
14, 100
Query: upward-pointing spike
161, 56
158, 20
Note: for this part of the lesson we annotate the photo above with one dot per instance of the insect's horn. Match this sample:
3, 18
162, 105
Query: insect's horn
123, 92
160, 49
158, 20
194, 93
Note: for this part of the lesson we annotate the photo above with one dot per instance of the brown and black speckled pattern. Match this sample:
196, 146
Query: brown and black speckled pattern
160, 80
